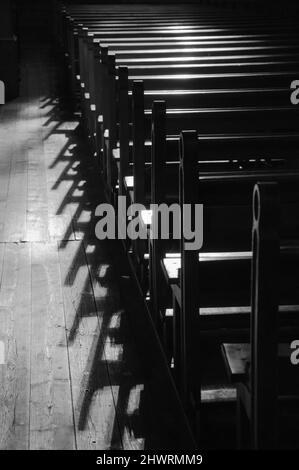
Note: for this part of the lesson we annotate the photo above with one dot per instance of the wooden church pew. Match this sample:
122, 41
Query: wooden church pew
188, 13
148, 70
224, 312
206, 120
202, 49
160, 46
192, 82
206, 98
262, 370
156, 70
101, 60
197, 16
254, 122
178, 99
212, 99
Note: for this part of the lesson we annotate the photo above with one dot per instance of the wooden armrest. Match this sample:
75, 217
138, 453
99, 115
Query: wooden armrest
172, 264
129, 182
237, 357
237, 361
116, 153
171, 268
146, 217
219, 394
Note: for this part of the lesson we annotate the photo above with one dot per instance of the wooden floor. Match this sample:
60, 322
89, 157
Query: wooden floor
83, 369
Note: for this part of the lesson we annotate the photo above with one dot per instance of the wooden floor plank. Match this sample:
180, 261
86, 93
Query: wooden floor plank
37, 205
5, 167
15, 318
14, 214
51, 415
59, 157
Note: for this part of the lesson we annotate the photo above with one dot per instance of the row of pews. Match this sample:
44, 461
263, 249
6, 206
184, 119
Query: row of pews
187, 104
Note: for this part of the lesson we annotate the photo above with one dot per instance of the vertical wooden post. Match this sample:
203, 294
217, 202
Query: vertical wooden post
138, 142
264, 317
157, 172
158, 151
123, 105
190, 321
109, 120
99, 71
70, 56
82, 68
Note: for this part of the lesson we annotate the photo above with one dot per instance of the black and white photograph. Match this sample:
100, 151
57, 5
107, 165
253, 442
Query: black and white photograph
149, 231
